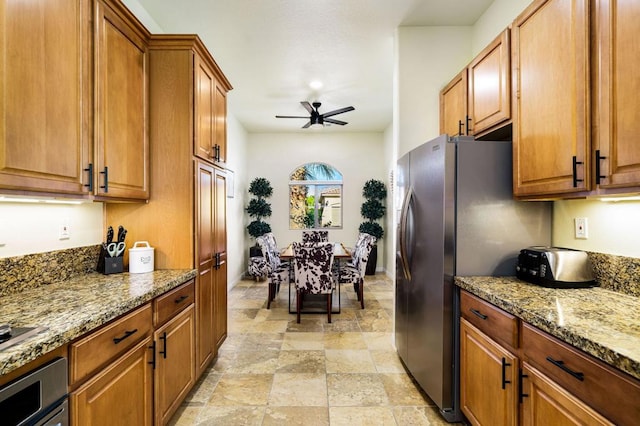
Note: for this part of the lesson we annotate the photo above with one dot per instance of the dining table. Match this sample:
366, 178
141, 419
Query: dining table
340, 252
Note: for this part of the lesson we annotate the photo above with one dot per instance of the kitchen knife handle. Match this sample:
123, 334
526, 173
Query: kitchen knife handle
505, 364
153, 356
105, 172
478, 314
598, 158
575, 171
127, 333
560, 364
90, 171
164, 340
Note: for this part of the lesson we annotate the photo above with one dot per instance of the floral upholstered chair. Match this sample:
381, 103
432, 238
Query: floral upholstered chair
315, 236
353, 272
312, 270
277, 272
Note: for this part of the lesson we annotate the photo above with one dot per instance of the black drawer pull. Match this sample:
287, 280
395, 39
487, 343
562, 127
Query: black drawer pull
181, 298
478, 314
560, 364
505, 364
127, 333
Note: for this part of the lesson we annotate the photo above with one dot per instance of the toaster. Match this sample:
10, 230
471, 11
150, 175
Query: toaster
555, 267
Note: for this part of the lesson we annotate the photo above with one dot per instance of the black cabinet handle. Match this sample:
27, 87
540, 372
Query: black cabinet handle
598, 158
460, 127
468, 125
127, 333
217, 152
105, 172
505, 364
478, 314
521, 394
153, 357
181, 298
90, 170
563, 367
575, 172
164, 340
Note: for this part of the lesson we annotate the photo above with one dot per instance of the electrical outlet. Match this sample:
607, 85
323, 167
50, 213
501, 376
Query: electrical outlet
65, 232
582, 229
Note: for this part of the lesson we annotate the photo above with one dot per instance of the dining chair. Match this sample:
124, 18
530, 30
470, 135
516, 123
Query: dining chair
354, 271
277, 272
312, 271
315, 236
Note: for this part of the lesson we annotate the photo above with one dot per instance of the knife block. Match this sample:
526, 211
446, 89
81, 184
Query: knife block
109, 265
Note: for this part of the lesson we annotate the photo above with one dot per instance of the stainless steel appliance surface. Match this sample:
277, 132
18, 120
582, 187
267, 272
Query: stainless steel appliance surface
555, 267
37, 398
10, 336
455, 216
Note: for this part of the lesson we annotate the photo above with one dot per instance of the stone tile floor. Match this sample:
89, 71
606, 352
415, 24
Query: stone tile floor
273, 371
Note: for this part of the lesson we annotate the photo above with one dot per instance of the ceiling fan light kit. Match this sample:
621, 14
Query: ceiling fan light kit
316, 119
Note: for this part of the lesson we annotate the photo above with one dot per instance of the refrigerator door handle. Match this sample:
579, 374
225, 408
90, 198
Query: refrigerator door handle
404, 224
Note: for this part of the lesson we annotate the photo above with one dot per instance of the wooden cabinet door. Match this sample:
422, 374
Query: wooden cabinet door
46, 101
120, 394
205, 104
220, 270
175, 363
221, 125
490, 86
547, 403
122, 141
617, 88
453, 106
205, 254
550, 69
488, 379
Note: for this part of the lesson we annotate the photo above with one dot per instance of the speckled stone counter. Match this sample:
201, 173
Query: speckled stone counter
76, 306
601, 322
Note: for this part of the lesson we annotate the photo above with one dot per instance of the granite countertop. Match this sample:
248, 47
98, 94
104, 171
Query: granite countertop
602, 323
76, 306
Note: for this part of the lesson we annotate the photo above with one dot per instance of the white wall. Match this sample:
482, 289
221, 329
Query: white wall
496, 18
427, 59
34, 228
389, 156
358, 156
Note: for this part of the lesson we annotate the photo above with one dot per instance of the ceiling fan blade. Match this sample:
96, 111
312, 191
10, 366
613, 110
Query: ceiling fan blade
334, 121
338, 111
306, 126
291, 116
307, 106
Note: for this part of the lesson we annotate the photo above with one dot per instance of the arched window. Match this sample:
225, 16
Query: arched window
315, 197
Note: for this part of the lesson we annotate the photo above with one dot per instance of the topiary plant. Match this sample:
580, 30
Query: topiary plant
373, 209
258, 207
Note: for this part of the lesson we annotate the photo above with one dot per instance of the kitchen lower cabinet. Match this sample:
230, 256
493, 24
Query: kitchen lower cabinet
46, 102
119, 394
546, 403
550, 91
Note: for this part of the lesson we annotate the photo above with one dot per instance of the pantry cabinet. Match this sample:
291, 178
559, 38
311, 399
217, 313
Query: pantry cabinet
616, 113
194, 235
46, 103
122, 141
551, 99
478, 99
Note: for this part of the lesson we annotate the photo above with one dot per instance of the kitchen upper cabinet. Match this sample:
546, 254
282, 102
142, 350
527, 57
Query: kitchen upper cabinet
550, 71
46, 102
122, 141
617, 116
453, 106
478, 99
489, 81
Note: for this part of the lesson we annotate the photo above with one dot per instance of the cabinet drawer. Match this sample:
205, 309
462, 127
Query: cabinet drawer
172, 302
94, 350
589, 379
491, 320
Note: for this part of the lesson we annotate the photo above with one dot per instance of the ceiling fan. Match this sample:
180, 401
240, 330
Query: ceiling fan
317, 119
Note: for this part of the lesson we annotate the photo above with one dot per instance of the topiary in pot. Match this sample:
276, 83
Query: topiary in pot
372, 209
258, 207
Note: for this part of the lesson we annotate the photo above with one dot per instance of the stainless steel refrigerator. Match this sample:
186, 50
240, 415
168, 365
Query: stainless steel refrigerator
456, 216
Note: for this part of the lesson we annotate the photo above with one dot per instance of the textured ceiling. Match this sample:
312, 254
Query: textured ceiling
270, 50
